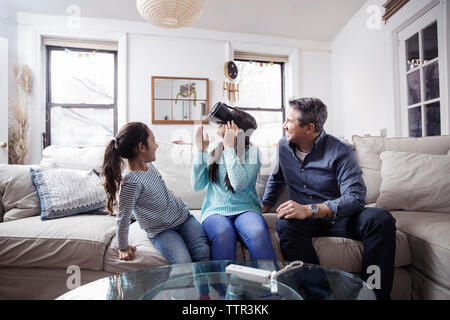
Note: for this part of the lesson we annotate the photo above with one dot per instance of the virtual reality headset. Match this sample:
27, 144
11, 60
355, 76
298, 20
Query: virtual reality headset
222, 113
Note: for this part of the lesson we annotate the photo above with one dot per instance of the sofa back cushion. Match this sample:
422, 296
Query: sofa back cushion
414, 182
174, 162
17, 193
368, 150
72, 158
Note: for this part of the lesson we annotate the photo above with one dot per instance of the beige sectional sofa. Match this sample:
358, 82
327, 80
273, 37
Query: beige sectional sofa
35, 255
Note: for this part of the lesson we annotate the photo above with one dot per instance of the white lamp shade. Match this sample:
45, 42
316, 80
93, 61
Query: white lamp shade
170, 13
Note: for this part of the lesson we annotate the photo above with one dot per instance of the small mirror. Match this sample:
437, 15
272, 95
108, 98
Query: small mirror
179, 100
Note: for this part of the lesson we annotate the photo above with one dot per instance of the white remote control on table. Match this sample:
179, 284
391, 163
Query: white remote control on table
248, 273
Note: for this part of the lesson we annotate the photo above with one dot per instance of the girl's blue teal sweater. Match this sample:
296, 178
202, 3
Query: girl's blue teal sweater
242, 173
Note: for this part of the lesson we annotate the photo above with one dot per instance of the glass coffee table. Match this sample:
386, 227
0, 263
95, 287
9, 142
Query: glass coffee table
208, 280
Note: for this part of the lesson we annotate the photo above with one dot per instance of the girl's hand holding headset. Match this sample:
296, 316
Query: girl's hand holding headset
231, 132
201, 143
127, 254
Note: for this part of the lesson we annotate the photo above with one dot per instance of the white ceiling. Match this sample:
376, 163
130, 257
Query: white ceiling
302, 19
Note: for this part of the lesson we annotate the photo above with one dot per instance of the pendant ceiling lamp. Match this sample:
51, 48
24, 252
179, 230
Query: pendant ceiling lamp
170, 13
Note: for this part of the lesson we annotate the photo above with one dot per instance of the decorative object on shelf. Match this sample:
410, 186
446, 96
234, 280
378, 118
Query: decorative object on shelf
179, 100
170, 13
186, 90
231, 73
18, 125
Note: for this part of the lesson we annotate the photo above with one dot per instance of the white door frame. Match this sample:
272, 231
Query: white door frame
434, 14
3, 100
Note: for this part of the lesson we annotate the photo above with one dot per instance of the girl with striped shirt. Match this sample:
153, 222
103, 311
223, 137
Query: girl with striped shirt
161, 214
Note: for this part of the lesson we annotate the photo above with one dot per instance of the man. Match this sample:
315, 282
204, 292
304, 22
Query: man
327, 195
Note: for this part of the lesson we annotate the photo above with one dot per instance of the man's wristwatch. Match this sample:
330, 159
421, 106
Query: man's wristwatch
314, 210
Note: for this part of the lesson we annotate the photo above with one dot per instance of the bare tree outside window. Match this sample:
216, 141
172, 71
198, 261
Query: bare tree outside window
81, 97
261, 91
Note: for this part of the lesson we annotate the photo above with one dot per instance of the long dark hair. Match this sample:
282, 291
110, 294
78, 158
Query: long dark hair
243, 117
123, 146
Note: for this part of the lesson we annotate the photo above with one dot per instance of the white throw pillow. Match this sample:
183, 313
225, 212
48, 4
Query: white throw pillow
414, 182
368, 150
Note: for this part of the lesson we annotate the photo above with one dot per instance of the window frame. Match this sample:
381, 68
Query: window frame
283, 86
417, 26
49, 105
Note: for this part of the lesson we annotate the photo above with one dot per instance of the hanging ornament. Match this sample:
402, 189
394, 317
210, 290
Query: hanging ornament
271, 63
251, 62
230, 70
261, 64
93, 52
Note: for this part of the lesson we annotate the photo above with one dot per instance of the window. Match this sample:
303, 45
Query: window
261, 93
81, 96
420, 66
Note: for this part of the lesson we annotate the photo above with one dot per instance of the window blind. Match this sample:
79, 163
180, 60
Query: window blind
261, 57
82, 44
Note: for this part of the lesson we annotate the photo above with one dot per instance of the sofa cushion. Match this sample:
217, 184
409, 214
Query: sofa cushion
346, 254
429, 239
65, 192
76, 240
174, 163
73, 158
414, 182
339, 253
18, 195
146, 255
368, 150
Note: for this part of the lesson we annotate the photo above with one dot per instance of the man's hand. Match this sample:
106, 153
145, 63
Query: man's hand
127, 254
293, 210
265, 209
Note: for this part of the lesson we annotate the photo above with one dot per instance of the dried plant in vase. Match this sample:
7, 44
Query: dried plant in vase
18, 124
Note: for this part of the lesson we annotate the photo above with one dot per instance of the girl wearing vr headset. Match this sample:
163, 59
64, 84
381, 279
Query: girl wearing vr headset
231, 207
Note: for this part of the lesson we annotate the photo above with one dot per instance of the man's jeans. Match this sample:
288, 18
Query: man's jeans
375, 227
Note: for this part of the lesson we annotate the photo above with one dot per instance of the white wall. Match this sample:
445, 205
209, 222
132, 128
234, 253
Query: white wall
155, 56
8, 30
145, 50
363, 77
315, 80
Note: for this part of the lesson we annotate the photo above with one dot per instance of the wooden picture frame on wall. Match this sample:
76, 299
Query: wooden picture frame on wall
179, 100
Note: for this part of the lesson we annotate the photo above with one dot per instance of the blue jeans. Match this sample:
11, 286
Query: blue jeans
251, 228
184, 244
